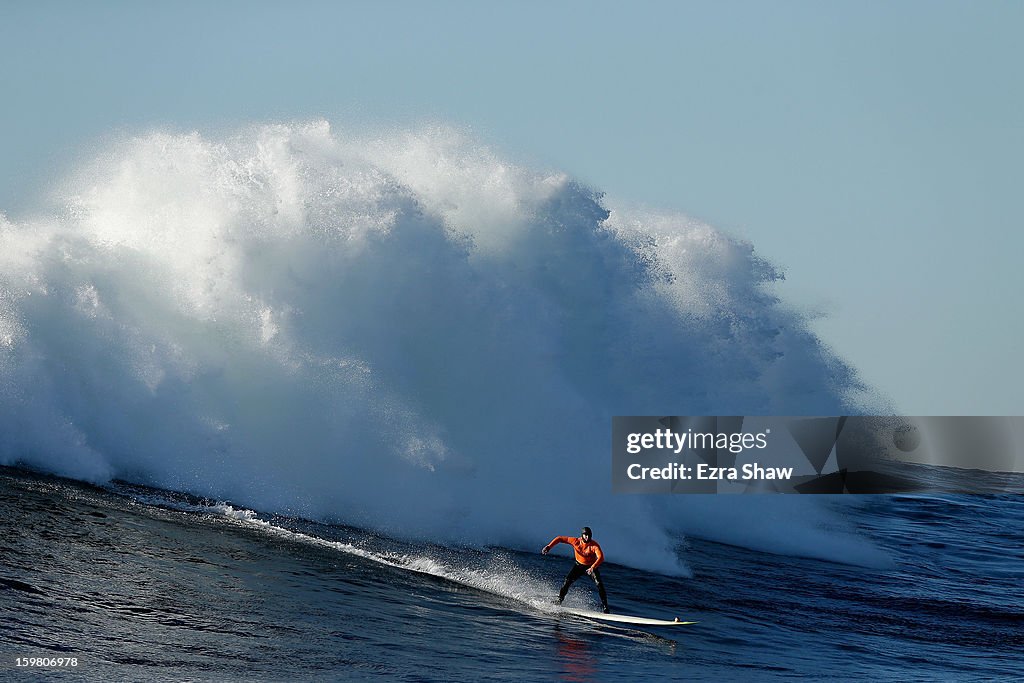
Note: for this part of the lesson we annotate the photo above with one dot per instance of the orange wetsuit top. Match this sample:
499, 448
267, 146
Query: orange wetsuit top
587, 552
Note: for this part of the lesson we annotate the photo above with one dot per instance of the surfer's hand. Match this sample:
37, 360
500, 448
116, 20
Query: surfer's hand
590, 572
544, 550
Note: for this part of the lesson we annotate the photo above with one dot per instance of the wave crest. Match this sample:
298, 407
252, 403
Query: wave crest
404, 332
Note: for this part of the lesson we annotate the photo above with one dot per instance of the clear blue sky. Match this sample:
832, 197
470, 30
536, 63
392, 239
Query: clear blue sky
870, 149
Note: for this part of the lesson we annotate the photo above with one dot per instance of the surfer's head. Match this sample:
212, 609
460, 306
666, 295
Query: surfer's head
585, 533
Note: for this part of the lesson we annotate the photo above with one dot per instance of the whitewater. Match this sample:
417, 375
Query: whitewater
400, 331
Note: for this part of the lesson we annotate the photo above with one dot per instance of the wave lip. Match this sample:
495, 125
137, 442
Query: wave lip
404, 332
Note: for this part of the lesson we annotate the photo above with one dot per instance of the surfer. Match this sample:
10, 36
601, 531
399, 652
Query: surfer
588, 558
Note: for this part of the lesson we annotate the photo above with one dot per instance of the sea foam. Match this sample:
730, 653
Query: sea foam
401, 331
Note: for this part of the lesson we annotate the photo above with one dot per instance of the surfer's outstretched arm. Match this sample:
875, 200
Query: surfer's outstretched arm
555, 541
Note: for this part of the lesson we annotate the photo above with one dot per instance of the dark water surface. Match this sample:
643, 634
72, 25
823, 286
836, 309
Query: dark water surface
147, 585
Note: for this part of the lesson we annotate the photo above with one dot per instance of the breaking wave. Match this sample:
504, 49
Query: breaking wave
400, 331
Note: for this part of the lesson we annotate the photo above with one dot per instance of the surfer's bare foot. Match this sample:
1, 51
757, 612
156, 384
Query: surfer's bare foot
605, 609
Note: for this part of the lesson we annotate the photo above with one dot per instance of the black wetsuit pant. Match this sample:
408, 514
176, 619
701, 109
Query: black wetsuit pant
576, 572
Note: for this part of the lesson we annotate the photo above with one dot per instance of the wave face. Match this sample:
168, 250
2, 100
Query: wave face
403, 332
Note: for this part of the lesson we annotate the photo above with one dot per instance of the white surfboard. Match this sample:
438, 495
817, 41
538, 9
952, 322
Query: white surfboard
625, 618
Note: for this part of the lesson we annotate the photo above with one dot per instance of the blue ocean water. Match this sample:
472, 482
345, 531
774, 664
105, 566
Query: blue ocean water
397, 356
143, 584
